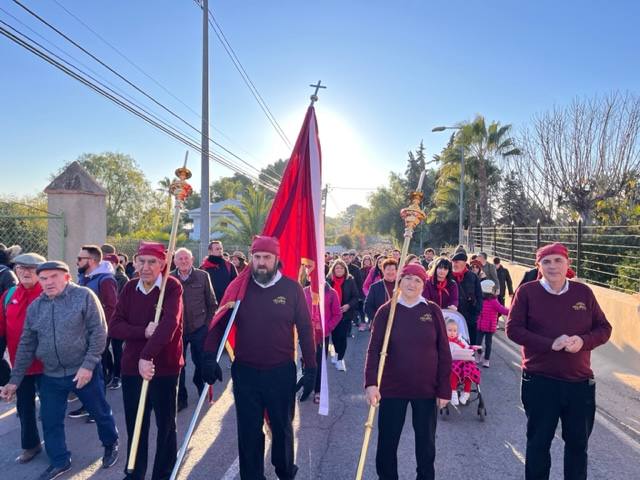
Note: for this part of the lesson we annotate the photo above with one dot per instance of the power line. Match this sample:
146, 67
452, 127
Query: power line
114, 97
247, 80
141, 70
112, 70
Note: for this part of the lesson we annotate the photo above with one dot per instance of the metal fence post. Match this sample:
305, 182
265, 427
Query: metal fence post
481, 237
538, 234
495, 228
579, 249
513, 237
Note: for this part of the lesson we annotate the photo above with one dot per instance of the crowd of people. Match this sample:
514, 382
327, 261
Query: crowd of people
67, 339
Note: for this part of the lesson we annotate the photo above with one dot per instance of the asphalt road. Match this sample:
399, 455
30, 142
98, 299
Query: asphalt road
328, 447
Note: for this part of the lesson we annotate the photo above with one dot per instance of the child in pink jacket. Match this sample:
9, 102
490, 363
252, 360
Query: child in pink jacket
488, 319
332, 316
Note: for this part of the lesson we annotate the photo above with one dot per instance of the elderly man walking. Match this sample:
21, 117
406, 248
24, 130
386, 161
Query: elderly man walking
13, 310
65, 329
199, 304
558, 323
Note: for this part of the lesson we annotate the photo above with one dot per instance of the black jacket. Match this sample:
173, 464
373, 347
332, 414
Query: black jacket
376, 297
356, 273
349, 296
7, 279
530, 276
470, 297
504, 279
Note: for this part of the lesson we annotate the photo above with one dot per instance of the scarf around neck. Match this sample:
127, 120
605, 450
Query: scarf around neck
460, 275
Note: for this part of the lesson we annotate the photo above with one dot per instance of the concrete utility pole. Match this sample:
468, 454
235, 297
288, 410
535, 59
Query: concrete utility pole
204, 169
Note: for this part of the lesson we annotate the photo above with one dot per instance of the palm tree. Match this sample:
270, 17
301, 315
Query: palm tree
486, 144
247, 219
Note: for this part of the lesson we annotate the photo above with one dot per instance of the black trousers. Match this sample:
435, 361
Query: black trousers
26, 406
256, 391
319, 362
116, 346
488, 342
196, 340
390, 423
339, 337
546, 401
472, 326
162, 399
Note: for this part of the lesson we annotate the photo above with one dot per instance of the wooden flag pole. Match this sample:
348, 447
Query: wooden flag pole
180, 190
412, 216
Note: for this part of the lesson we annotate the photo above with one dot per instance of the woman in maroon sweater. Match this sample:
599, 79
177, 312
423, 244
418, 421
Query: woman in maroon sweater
152, 352
558, 323
416, 372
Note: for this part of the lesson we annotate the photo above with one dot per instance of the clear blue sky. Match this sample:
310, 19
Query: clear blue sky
394, 70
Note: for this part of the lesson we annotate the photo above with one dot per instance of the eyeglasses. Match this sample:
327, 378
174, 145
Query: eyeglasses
25, 267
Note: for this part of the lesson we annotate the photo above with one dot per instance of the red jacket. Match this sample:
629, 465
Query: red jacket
12, 323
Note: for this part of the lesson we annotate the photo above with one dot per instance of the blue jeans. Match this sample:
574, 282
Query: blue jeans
53, 406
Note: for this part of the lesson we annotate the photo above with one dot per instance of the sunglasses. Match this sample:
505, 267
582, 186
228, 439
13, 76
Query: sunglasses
82, 258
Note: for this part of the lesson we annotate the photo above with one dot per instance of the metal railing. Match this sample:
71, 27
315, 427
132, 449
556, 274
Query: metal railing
34, 233
608, 256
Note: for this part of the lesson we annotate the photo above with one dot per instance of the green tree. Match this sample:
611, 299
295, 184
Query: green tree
345, 241
485, 145
129, 192
227, 188
385, 205
248, 219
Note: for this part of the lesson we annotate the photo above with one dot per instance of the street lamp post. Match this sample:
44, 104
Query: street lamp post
461, 200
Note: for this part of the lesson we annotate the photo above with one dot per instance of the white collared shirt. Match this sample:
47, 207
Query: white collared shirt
273, 281
404, 303
184, 278
547, 287
158, 283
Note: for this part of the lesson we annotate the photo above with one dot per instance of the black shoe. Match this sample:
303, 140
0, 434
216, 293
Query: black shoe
79, 413
115, 384
182, 404
110, 456
54, 472
90, 419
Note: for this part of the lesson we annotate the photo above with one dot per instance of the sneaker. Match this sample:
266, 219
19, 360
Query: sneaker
454, 397
341, 366
115, 384
334, 359
90, 419
110, 456
485, 363
464, 398
27, 455
72, 397
78, 413
54, 472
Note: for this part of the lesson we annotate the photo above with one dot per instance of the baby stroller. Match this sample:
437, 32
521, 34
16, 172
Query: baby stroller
465, 356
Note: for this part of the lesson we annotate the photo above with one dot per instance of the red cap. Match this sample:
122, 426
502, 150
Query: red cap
155, 249
263, 243
552, 249
414, 269
112, 257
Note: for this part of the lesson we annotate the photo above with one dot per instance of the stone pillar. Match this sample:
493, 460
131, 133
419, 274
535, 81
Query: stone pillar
81, 201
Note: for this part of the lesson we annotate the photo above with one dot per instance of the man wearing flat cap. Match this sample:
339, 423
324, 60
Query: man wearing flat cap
558, 322
13, 310
65, 330
263, 371
153, 352
469, 292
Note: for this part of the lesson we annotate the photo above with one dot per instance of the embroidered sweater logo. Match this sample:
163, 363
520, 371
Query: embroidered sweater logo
579, 306
426, 318
280, 300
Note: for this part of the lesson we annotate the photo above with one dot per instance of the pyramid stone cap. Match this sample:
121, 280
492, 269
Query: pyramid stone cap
75, 179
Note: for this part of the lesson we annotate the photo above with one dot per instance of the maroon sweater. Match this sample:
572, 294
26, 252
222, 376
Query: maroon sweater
264, 326
134, 311
418, 364
538, 317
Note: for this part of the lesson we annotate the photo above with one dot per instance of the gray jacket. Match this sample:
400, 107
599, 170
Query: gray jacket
65, 333
490, 271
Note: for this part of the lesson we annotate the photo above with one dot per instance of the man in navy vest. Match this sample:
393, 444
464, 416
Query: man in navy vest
98, 275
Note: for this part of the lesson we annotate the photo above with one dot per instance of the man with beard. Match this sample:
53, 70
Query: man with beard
221, 271
263, 371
